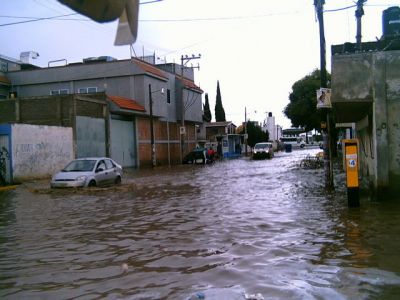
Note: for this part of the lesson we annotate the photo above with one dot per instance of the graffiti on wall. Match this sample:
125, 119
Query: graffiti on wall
40, 158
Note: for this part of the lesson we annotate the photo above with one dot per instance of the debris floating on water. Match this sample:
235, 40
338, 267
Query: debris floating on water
124, 267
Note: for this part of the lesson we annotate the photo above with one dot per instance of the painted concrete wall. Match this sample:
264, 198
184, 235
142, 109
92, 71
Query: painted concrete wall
39, 151
375, 76
392, 67
74, 73
193, 106
120, 78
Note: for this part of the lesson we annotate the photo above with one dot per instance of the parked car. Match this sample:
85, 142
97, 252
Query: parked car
263, 150
91, 171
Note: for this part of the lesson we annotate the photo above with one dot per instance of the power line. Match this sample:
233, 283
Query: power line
339, 9
60, 17
56, 17
218, 18
38, 19
354, 5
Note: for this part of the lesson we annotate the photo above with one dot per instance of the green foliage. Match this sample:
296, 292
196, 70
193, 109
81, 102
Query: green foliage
206, 111
302, 109
255, 134
219, 109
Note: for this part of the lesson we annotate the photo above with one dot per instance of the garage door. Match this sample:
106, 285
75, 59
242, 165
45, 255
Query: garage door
123, 142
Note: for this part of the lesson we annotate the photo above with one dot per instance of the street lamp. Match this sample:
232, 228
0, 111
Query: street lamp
153, 146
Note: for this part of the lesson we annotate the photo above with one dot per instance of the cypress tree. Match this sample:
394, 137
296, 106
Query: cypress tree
206, 110
219, 109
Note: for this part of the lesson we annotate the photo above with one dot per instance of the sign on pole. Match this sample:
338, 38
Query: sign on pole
324, 98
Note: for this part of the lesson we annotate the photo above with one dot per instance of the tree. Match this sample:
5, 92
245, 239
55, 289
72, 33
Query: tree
219, 109
255, 133
206, 111
302, 109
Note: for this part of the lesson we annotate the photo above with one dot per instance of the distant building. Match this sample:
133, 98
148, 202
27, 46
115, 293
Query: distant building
274, 130
223, 136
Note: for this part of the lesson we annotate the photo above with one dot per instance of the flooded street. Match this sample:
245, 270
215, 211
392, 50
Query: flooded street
235, 227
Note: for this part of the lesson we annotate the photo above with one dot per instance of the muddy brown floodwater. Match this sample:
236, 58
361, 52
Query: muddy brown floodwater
238, 226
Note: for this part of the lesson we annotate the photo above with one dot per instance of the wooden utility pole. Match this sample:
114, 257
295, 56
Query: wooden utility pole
319, 7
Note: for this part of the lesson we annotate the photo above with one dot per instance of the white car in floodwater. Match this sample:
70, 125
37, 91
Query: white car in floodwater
91, 171
263, 150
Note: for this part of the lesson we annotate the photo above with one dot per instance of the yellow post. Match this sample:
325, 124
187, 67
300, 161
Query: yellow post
351, 167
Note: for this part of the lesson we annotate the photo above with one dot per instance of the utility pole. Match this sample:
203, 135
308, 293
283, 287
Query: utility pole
152, 142
319, 7
184, 60
153, 146
359, 13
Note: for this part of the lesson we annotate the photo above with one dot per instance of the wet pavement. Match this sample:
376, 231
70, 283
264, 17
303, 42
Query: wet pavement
235, 227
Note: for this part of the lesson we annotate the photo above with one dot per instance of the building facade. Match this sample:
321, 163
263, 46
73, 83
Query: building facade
140, 96
366, 92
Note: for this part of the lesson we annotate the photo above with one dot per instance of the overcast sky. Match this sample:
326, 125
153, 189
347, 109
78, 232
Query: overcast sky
256, 49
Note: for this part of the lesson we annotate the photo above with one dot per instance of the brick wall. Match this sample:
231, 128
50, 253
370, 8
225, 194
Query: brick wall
49, 110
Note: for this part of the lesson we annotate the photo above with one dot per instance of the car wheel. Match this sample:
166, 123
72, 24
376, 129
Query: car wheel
302, 146
92, 183
117, 180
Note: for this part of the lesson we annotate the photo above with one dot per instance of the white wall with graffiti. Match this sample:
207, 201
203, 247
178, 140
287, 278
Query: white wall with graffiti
39, 151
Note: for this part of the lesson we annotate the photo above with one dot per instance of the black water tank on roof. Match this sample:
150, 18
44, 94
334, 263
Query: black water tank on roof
391, 21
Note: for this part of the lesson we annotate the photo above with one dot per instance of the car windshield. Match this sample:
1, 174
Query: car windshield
261, 146
80, 166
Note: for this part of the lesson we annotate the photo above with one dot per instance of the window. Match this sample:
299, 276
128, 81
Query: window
59, 92
101, 166
86, 90
92, 89
109, 164
168, 96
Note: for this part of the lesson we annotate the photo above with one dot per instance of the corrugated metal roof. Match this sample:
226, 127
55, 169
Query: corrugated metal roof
126, 103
